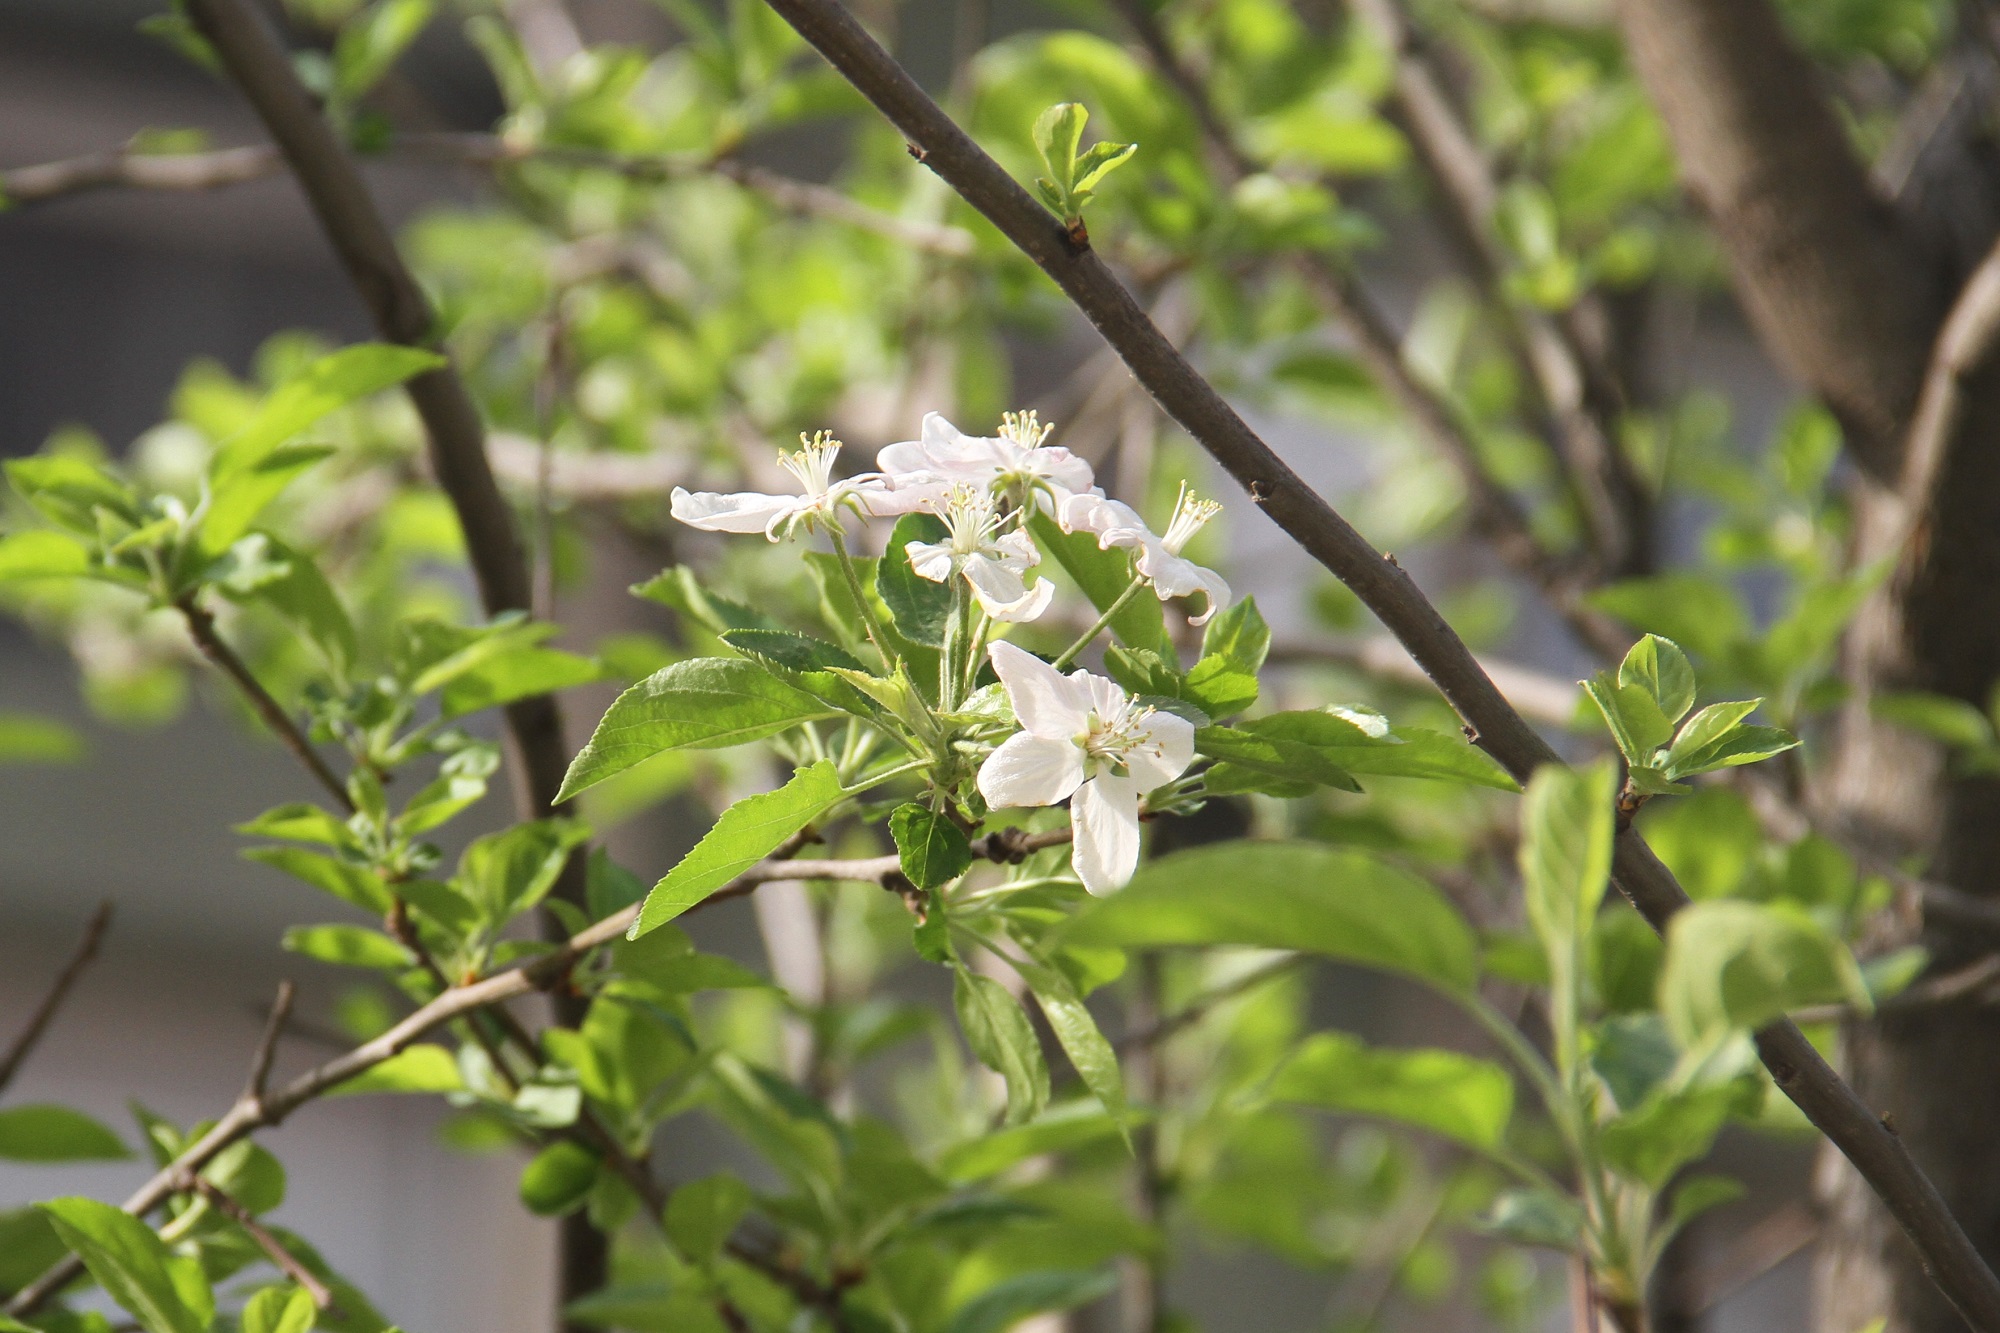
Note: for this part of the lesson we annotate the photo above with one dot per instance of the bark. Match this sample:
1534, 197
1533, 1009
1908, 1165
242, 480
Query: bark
1851, 303
1842, 296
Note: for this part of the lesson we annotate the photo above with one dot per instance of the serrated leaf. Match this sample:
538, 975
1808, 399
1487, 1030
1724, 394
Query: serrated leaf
1092, 1056
932, 849
1637, 725
706, 703
680, 589
133, 1266
421, 1068
1739, 965
41, 554
350, 883
1009, 1301
348, 946
919, 608
326, 385
998, 1031
1455, 1095
1103, 576
701, 1214
287, 1309
523, 673
1661, 669
370, 43
1278, 757
746, 833
1289, 895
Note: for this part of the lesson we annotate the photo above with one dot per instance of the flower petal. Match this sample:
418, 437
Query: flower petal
1014, 550
1218, 595
1104, 817
1002, 593
1046, 704
744, 511
1165, 749
1030, 770
929, 560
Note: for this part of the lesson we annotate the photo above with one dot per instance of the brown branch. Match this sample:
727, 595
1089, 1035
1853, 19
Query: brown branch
252, 1113
1975, 980
1383, 587
1965, 349
267, 1047
1843, 297
1495, 515
283, 1259
1573, 390
218, 168
38, 1022
201, 626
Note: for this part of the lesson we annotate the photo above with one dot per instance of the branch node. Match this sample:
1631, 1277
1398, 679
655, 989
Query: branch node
267, 1047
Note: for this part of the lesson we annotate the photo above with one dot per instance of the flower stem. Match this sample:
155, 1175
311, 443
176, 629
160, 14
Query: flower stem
957, 633
1069, 654
877, 634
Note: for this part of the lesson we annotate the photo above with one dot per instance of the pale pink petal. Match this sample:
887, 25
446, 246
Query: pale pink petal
1016, 551
745, 511
1046, 704
1164, 750
1218, 595
1063, 470
1030, 770
1104, 818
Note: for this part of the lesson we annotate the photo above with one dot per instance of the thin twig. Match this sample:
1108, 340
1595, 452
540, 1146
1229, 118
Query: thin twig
1973, 980
1385, 589
218, 168
1202, 1005
201, 626
274, 1250
45, 1012
267, 1046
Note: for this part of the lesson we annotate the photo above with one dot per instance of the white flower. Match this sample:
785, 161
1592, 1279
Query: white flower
1159, 561
777, 515
992, 562
1082, 738
1014, 462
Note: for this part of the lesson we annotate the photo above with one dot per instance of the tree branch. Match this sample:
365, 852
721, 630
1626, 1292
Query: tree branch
38, 1022
1572, 388
267, 1048
1846, 300
217, 168
1384, 588
1495, 515
283, 1259
201, 626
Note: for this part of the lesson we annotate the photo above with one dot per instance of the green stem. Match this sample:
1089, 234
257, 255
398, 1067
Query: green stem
957, 645
877, 633
1069, 654
975, 654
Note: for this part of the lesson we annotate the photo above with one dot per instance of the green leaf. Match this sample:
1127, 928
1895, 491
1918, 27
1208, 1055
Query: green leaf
506, 873
328, 384
423, 1068
558, 1179
1661, 669
1939, 716
348, 946
370, 43
706, 703
1239, 637
28, 1246
1219, 688
1636, 722
998, 1031
702, 1213
1700, 613
921, 609
679, 589
133, 1266
1097, 162
793, 652
1534, 1216
1455, 1095
1667, 1131
287, 1309
1699, 1194
1007, 1302
933, 850
347, 882
1735, 965
1093, 1057
304, 598
41, 1133
1278, 757
239, 495
1363, 742
1289, 895
1073, 1124
1566, 835
72, 491
747, 832
520, 674
1103, 576
1716, 738
28, 739
41, 554
1057, 133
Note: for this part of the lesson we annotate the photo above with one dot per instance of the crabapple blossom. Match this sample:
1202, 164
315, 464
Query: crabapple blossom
991, 561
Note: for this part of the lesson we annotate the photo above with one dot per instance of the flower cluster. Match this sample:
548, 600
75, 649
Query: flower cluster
1082, 739
978, 485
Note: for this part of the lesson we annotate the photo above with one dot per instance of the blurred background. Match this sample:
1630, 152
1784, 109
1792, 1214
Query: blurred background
107, 297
